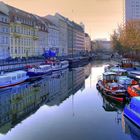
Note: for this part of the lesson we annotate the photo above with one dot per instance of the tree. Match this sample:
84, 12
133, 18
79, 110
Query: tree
126, 39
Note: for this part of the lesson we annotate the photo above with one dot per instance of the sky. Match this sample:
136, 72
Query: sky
101, 17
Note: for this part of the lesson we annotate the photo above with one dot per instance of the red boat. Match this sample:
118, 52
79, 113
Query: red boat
110, 88
134, 90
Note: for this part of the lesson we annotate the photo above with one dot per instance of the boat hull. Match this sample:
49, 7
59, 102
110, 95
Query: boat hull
131, 115
64, 67
56, 69
12, 84
33, 75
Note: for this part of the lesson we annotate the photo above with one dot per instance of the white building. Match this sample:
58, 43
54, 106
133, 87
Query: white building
132, 10
53, 36
61, 23
42, 42
4, 32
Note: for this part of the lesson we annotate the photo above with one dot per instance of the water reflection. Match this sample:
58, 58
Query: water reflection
20, 102
63, 106
131, 129
112, 106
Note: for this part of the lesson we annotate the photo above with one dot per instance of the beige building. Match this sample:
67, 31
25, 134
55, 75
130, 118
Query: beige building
24, 33
87, 43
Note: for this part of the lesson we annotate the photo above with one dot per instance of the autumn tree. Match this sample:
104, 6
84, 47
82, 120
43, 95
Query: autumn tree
126, 39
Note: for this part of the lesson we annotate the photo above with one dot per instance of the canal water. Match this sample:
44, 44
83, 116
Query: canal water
63, 106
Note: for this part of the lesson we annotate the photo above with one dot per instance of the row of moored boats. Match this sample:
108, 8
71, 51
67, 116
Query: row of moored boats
32, 73
122, 84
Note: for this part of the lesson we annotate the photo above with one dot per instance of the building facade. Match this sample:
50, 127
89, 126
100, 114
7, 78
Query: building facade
42, 42
70, 38
24, 33
102, 46
87, 43
78, 39
132, 10
53, 36
61, 23
4, 32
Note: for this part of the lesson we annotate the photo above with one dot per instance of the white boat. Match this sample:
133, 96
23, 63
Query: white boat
64, 64
13, 78
56, 66
39, 71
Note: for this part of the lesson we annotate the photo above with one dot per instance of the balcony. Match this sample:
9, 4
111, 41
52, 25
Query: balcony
16, 35
35, 37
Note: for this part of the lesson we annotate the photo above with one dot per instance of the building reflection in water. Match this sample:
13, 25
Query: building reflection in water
130, 128
20, 102
87, 70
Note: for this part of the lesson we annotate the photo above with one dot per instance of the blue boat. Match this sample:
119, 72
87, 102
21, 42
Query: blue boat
132, 111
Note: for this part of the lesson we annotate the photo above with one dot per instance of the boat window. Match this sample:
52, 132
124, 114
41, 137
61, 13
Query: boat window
14, 78
110, 77
4, 79
18, 76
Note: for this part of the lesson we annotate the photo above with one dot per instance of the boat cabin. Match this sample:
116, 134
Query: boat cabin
119, 71
41, 68
44, 67
126, 63
51, 62
13, 77
64, 63
109, 77
113, 86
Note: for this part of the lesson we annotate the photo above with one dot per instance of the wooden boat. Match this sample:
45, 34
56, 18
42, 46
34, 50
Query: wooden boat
39, 71
13, 78
109, 87
132, 111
